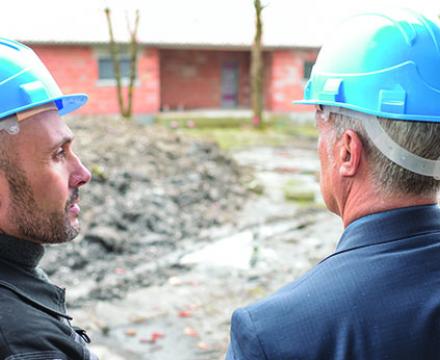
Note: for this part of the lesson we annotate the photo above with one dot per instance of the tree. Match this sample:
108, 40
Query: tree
257, 68
125, 108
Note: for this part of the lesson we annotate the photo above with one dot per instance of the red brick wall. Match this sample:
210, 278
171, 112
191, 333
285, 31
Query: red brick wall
75, 68
186, 79
286, 79
191, 79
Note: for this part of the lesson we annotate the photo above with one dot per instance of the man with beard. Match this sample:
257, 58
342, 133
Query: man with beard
376, 91
39, 180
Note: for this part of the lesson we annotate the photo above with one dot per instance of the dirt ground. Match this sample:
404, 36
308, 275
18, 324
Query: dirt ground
173, 241
152, 193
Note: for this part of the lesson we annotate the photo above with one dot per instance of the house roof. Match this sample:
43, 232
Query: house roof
190, 23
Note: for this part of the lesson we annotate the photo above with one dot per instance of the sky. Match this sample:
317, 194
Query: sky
305, 22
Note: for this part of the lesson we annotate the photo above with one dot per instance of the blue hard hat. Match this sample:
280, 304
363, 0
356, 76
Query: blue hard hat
385, 64
25, 82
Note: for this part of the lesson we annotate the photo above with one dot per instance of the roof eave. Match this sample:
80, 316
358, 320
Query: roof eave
169, 46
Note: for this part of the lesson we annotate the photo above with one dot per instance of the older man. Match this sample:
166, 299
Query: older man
39, 180
376, 88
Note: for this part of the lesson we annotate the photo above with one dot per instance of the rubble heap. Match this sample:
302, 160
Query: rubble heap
152, 190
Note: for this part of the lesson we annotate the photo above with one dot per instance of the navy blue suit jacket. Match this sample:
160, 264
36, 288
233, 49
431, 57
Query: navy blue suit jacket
377, 297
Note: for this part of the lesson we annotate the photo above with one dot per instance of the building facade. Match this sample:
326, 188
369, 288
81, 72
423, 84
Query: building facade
179, 78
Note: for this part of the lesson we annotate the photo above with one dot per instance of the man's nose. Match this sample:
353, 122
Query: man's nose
80, 176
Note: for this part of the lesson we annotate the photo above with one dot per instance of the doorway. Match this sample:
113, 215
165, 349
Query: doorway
229, 85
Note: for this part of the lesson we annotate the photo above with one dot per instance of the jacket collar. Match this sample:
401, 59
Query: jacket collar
18, 273
390, 225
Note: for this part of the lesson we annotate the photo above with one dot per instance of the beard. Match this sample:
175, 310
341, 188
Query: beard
33, 222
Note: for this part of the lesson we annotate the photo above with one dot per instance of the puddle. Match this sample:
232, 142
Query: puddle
275, 241
234, 251
241, 251
277, 168
272, 159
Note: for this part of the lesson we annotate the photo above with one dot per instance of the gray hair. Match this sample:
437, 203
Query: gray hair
420, 138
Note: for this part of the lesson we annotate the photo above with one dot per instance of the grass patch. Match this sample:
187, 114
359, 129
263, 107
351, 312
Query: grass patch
202, 122
295, 128
239, 138
298, 191
255, 186
232, 133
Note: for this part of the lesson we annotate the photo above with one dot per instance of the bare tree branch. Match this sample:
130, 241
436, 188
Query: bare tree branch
126, 110
116, 61
133, 63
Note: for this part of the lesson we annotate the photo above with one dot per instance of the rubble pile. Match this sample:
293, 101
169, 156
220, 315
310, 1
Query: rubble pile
152, 190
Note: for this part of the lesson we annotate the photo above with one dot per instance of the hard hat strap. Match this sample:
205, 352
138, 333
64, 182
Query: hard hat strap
26, 114
387, 146
11, 125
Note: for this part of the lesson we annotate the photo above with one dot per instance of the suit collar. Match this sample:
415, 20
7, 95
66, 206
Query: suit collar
390, 225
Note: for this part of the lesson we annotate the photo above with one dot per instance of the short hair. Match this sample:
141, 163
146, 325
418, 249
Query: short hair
420, 138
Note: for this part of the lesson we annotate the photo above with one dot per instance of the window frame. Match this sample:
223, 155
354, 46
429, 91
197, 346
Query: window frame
103, 53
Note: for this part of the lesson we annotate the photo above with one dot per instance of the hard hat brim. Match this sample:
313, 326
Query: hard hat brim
65, 104
387, 115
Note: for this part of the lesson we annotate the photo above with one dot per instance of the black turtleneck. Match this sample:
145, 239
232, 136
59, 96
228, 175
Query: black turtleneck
23, 253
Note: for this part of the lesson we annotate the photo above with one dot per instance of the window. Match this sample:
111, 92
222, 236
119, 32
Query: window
105, 66
308, 65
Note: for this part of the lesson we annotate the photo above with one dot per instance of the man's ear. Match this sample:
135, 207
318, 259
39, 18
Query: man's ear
349, 153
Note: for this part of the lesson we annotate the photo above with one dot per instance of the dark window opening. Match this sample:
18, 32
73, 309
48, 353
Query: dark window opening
308, 66
105, 66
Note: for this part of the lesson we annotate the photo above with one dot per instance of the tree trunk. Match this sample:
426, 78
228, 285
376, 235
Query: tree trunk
126, 110
114, 53
257, 69
133, 63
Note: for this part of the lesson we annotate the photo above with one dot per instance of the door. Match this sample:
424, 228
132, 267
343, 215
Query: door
229, 91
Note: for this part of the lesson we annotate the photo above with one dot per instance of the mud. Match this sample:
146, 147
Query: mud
173, 242
152, 193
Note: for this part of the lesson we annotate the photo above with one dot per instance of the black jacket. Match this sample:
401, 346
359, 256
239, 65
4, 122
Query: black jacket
33, 320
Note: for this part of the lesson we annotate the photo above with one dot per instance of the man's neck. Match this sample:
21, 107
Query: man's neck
369, 202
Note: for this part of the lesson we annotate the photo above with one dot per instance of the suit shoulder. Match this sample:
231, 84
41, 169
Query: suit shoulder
299, 313
245, 341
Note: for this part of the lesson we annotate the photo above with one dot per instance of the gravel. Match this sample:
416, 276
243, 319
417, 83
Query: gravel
152, 192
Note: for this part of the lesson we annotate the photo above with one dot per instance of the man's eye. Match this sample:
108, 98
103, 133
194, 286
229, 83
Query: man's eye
60, 153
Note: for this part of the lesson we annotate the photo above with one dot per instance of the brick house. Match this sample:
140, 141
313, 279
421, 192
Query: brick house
187, 59
179, 79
